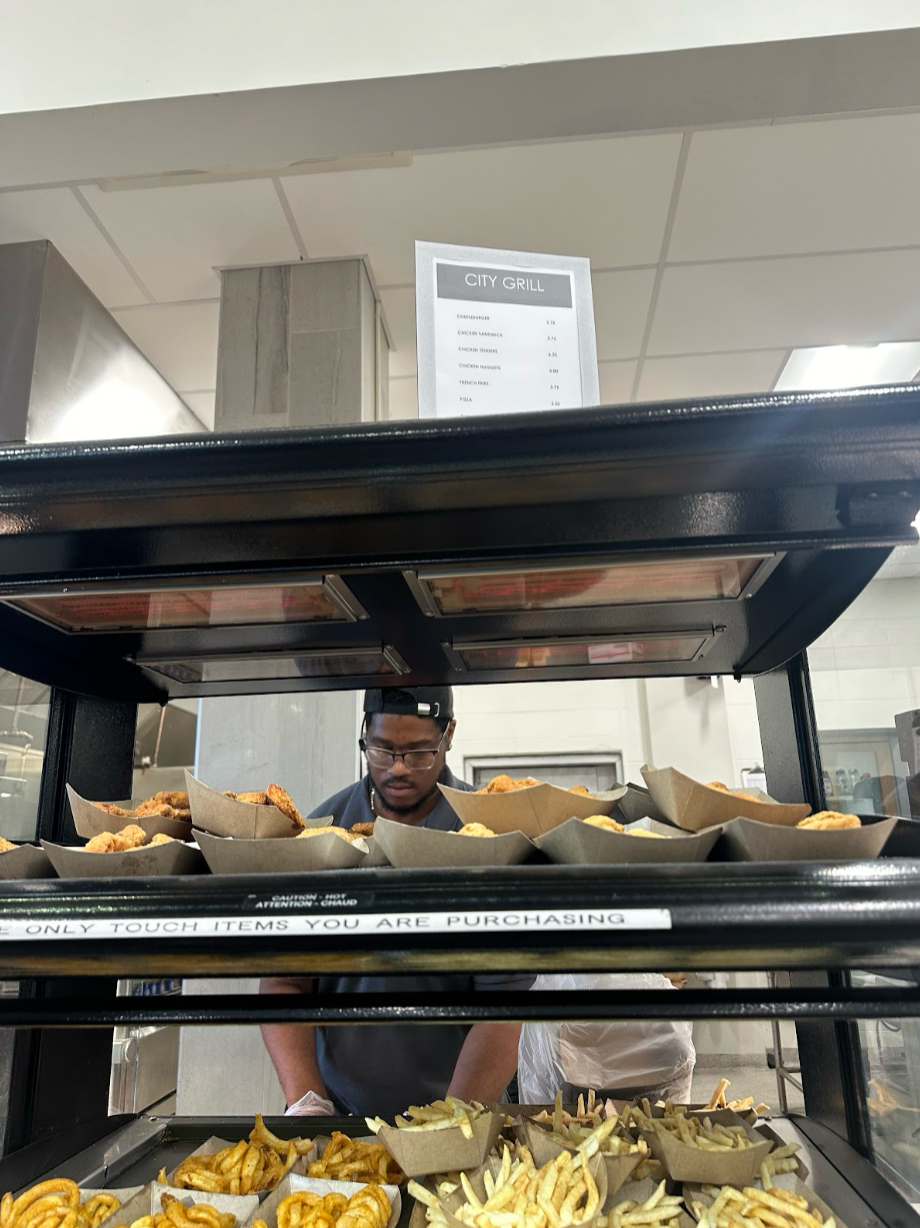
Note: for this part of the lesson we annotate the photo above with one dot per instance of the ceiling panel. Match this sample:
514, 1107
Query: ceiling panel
606, 199
836, 185
202, 406
403, 398
180, 341
616, 381
807, 300
621, 303
708, 375
175, 237
56, 214
399, 306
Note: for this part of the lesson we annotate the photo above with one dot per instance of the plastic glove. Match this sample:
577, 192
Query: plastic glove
311, 1105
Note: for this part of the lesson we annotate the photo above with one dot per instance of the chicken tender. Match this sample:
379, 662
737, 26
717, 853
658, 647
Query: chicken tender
830, 820
341, 832
6, 845
254, 799
605, 822
116, 811
282, 800
475, 829
505, 784
362, 829
130, 837
580, 790
161, 838
717, 784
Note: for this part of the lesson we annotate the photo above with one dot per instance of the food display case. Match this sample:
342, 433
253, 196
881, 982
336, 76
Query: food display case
652, 541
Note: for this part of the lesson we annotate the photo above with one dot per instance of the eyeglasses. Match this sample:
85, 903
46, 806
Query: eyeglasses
415, 760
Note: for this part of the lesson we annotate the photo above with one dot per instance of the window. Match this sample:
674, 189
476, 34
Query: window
24, 710
597, 772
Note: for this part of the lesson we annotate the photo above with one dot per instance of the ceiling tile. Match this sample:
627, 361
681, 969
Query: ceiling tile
708, 375
808, 300
399, 307
835, 185
403, 398
180, 341
621, 302
175, 237
56, 214
202, 406
616, 381
606, 199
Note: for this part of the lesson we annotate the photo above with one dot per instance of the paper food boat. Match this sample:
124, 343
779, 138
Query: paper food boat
421, 1152
124, 1196
638, 803
26, 861
268, 1210
532, 811
686, 1163
407, 846
148, 1202
543, 1148
225, 816
232, 855
695, 806
212, 1145
163, 859
785, 1182
745, 840
577, 843
90, 821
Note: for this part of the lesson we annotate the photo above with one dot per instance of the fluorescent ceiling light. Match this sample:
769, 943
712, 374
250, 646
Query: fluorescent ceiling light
824, 367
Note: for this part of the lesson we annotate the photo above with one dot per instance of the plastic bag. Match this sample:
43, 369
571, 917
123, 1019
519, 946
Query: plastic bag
654, 1055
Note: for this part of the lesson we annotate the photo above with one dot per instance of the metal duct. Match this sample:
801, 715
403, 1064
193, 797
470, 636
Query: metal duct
67, 370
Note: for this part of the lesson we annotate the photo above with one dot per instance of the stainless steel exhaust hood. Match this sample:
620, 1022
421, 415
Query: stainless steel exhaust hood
67, 370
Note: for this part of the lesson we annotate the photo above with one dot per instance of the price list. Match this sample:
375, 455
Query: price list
506, 339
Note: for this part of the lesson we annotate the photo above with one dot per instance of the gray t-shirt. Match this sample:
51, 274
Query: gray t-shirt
383, 1068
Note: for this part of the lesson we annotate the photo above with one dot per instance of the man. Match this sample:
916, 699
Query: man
383, 1068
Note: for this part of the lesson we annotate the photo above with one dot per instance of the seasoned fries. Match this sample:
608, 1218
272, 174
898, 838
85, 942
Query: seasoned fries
55, 1204
753, 1208
369, 1207
176, 1214
659, 1209
440, 1115
349, 1159
245, 1168
561, 1193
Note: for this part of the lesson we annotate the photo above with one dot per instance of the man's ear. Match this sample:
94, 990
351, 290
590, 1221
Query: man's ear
451, 728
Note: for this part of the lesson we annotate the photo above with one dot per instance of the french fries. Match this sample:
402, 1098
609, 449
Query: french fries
694, 1131
660, 1209
176, 1214
245, 1168
561, 1193
717, 1101
753, 1208
369, 1207
349, 1159
55, 1204
588, 1113
439, 1115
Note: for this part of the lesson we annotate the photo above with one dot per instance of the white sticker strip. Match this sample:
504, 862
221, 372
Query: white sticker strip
508, 921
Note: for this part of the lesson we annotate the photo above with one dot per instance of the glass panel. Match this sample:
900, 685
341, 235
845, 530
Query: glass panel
611, 585
217, 607
316, 665
614, 652
24, 711
865, 673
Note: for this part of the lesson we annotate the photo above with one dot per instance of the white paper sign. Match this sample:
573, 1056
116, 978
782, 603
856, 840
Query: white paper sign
496, 921
503, 332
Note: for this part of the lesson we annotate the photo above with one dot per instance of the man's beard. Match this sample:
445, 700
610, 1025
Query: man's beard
411, 807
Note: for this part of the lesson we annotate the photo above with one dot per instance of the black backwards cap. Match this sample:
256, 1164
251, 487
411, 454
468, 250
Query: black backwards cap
433, 701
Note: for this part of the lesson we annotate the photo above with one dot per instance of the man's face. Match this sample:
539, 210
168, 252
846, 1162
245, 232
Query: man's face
400, 788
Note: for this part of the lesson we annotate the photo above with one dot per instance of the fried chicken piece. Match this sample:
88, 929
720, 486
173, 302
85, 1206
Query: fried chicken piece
717, 784
642, 831
116, 811
184, 816
830, 820
282, 800
130, 837
230, 793
103, 843
580, 790
605, 822
254, 799
155, 805
6, 845
475, 829
505, 784
322, 831
362, 829
161, 838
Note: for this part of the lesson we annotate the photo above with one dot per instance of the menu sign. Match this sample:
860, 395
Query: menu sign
503, 332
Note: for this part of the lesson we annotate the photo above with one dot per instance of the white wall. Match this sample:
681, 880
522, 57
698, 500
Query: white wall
57, 53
